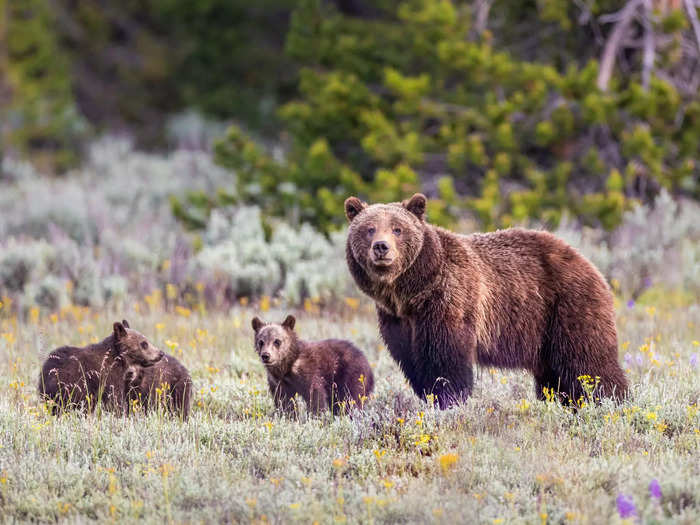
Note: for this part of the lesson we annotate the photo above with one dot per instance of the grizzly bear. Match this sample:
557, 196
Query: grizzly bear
167, 382
331, 373
74, 377
511, 299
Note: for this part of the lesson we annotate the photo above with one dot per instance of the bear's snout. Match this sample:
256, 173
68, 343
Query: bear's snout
380, 249
265, 356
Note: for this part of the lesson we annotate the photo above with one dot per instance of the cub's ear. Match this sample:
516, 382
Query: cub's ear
353, 206
257, 324
416, 205
289, 322
125, 323
119, 330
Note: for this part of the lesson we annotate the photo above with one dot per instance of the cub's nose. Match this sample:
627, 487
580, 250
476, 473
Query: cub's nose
265, 356
380, 248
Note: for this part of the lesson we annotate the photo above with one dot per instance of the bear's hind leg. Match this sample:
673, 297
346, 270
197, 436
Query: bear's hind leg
550, 384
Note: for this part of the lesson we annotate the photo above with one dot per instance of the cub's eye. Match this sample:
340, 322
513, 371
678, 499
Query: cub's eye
371, 230
260, 343
277, 343
397, 231
144, 345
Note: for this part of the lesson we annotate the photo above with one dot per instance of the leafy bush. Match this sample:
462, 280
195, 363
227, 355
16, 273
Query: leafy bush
414, 95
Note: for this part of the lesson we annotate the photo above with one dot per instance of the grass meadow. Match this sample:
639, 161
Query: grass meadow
502, 457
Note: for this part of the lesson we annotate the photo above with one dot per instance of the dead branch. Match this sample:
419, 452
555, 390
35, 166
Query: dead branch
482, 15
607, 62
649, 51
693, 15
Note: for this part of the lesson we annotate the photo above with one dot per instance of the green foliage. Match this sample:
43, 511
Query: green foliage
129, 65
412, 89
41, 115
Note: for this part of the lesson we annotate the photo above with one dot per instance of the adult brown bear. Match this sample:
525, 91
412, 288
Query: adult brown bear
512, 299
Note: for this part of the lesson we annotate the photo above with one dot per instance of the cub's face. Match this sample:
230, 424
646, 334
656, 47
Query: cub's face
385, 239
134, 347
273, 341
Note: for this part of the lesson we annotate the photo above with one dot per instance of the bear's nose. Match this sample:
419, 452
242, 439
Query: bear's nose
380, 248
265, 356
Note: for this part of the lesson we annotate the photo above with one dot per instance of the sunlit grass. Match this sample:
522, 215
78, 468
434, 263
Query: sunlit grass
502, 457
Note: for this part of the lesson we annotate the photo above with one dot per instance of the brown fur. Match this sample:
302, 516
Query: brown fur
510, 299
326, 374
74, 377
169, 374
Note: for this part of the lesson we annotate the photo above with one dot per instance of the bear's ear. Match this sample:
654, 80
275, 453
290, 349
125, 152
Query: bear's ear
289, 322
416, 205
119, 330
125, 323
353, 206
257, 324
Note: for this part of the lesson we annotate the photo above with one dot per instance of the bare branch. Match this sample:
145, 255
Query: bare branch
482, 15
693, 15
649, 51
607, 62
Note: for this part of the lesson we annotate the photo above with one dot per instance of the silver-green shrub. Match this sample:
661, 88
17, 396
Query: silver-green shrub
655, 244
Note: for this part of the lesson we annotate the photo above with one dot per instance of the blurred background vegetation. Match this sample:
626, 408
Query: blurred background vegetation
514, 110
554, 112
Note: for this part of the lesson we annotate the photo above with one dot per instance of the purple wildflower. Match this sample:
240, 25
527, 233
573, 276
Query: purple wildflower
655, 489
625, 507
693, 360
640, 359
647, 282
630, 303
628, 360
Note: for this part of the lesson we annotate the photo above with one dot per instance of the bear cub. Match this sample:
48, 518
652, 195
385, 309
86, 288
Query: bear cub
74, 377
167, 382
327, 374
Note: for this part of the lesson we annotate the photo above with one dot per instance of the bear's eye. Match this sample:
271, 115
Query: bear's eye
260, 343
144, 345
371, 230
397, 231
277, 343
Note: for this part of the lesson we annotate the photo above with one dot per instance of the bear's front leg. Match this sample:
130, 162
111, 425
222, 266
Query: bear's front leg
434, 353
398, 337
444, 351
283, 397
318, 398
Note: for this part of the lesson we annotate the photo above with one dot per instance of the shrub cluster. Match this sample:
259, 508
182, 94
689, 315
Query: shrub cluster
106, 233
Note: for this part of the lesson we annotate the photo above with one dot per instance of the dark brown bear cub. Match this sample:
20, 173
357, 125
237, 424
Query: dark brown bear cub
167, 382
327, 374
512, 299
82, 377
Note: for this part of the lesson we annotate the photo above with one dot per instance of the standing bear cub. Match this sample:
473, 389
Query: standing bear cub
511, 299
328, 374
74, 377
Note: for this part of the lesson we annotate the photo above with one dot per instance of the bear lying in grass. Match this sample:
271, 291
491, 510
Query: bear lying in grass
167, 383
327, 374
511, 299
74, 377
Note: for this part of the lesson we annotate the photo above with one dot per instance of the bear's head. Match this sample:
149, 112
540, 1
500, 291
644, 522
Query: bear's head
133, 347
385, 239
275, 343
